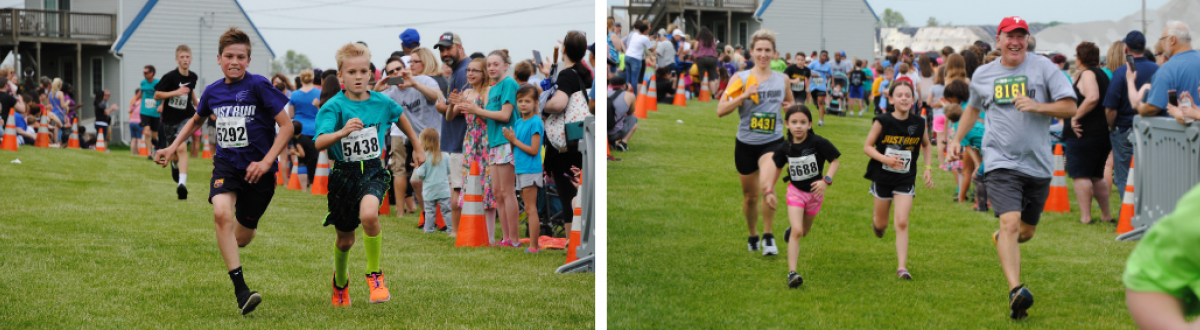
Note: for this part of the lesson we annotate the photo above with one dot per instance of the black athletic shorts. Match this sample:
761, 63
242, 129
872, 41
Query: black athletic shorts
818, 93
1010, 190
746, 156
168, 135
252, 198
800, 97
349, 182
151, 122
887, 192
708, 64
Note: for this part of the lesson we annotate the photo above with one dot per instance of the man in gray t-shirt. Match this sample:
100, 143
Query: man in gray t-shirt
666, 53
1019, 93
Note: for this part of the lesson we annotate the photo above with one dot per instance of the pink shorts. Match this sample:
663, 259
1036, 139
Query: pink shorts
808, 201
939, 124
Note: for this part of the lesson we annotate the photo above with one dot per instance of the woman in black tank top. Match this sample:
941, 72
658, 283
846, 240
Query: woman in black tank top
1085, 135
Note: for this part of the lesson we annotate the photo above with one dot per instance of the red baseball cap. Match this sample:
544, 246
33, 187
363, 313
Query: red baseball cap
1012, 23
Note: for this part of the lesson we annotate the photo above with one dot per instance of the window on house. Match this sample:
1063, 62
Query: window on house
97, 73
744, 34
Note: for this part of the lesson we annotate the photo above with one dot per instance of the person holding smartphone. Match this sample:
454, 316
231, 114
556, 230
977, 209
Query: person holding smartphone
1119, 106
418, 96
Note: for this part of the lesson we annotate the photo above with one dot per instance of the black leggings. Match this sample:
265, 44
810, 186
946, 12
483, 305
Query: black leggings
559, 166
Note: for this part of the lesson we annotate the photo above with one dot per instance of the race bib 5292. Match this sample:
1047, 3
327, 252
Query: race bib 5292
231, 132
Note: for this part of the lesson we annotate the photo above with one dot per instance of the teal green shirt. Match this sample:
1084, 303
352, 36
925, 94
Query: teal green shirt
377, 112
149, 104
503, 92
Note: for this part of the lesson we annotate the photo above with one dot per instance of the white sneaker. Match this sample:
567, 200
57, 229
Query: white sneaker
821, 122
768, 246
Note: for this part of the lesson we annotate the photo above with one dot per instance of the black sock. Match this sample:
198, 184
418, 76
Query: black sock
239, 284
753, 240
769, 236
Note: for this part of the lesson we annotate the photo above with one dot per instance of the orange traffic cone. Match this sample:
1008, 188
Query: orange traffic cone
438, 220
1125, 225
1058, 200
207, 153
652, 94
294, 181
101, 146
681, 93
73, 140
385, 208
573, 242
320, 184
705, 94
43, 137
142, 148
472, 226
639, 108
10, 131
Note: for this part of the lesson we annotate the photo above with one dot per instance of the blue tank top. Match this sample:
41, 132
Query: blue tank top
57, 108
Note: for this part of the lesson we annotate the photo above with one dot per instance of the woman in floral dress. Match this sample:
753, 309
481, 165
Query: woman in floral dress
475, 143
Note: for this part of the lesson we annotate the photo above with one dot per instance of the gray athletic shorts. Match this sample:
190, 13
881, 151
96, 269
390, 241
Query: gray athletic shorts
529, 180
1010, 190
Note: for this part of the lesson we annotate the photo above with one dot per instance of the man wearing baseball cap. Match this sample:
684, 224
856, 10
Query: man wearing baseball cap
455, 128
1120, 111
1020, 95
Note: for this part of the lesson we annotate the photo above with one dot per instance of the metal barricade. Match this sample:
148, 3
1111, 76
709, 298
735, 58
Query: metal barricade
586, 251
1166, 165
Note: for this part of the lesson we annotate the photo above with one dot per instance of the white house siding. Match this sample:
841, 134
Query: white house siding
172, 23
849, 25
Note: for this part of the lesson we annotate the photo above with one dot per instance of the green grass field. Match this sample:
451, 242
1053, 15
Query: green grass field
678, 256
94, 240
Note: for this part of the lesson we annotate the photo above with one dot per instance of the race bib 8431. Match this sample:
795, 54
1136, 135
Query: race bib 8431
763, 122
1008, 89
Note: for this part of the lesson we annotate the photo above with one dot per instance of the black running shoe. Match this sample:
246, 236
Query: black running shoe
175, 171
794, 280
753, 240
622, 146
1019, 300
182, 191
247, 301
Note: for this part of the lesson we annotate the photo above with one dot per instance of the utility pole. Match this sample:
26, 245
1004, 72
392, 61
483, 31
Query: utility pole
1143, 16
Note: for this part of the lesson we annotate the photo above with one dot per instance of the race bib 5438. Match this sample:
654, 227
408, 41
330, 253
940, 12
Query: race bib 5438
361, 145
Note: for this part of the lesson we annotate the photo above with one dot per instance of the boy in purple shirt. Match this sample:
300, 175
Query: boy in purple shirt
246, 108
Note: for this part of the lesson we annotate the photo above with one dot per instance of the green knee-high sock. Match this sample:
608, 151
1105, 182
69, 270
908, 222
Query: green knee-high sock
341, 267
374, 245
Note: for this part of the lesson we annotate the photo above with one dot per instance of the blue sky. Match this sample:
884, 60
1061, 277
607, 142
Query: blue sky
917, 12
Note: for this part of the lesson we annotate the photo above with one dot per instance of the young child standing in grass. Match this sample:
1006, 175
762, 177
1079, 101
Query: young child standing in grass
895, 139
435, 174
351, 125
805, 155
527, 137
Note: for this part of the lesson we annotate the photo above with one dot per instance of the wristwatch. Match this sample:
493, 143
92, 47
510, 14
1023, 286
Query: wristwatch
829, 180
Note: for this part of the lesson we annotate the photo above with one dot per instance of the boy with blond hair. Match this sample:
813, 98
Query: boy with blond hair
352, 125
176, 93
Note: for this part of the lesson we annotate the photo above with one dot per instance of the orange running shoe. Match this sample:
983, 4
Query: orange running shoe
379, 290
341, 296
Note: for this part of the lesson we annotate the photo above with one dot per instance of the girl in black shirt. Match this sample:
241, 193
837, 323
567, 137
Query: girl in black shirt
895, 139
804, 154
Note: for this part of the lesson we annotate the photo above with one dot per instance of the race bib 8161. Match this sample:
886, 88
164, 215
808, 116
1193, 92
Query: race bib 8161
1008, 89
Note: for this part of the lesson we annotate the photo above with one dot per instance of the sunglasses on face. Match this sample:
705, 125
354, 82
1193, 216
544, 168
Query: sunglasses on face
393, 71
145, 72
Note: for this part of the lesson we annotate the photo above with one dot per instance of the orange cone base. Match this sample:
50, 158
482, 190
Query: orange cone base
441, 223
572, 244
472, 231
1058, 201
1125, 225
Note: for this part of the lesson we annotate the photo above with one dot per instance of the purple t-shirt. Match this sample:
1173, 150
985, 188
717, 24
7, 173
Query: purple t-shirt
254, 99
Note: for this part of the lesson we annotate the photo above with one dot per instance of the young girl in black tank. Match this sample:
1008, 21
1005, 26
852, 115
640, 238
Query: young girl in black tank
895, 139
804, 154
